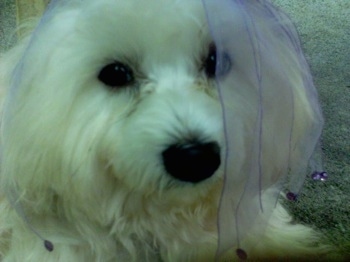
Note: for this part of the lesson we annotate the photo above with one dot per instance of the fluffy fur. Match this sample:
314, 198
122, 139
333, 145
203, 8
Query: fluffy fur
84, 159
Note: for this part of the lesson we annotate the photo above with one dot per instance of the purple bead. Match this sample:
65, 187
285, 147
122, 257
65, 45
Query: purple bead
321, 176
241, 254
48, 245
291, 196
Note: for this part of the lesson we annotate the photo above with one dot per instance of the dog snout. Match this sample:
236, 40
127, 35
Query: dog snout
192, 162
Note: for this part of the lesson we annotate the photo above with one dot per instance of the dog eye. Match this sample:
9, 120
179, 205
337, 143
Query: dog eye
210, 64
116, 75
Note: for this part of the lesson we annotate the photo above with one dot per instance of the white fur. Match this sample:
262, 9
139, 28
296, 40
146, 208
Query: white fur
85, 159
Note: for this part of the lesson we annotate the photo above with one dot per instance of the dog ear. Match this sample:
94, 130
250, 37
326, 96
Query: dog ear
8, 63
284, 117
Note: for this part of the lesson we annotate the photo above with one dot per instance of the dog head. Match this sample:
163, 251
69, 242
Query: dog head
114, 109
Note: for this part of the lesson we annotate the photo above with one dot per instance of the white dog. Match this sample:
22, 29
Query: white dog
113, 138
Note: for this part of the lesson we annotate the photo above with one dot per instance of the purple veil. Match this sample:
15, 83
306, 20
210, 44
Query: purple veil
265, 51
264, 48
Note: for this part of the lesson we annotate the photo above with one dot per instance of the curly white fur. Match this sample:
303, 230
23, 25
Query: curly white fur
84, 160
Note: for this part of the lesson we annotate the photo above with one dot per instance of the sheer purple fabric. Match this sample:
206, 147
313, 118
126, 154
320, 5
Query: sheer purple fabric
272, 118
269, 94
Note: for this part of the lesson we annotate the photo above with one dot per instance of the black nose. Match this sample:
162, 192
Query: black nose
192, 162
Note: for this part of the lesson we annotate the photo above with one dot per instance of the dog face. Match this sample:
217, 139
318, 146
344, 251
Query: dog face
164, 80
121, 100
